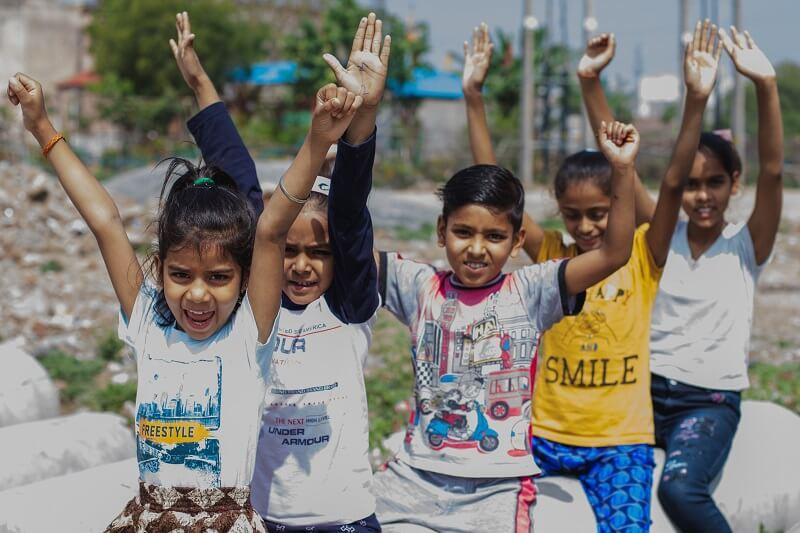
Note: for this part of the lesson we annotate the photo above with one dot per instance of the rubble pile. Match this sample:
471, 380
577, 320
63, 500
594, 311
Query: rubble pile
56, 292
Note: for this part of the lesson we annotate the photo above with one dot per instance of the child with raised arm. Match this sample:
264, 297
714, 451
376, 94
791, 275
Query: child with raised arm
465, 464
590, 408
203, 330
312, 467
703, 315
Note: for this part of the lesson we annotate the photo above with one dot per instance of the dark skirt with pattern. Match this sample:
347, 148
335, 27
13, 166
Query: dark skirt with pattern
160, 509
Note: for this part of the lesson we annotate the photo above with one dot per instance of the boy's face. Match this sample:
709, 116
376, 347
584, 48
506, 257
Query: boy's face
308, 263
201, 289
478, 242
708, 191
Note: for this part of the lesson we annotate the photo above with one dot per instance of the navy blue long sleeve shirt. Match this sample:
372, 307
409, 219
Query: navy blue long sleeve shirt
353, 295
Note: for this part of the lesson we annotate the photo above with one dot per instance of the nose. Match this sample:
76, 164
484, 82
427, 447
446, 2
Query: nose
301, 264
702, 193
198, 292
585, 226
476, 247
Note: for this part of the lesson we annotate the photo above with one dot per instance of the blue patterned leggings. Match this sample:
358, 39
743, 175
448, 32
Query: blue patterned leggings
617, 479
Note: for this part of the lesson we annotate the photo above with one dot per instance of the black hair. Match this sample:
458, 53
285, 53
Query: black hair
317, 202
586, 165
723, 150
491, 186
202, 209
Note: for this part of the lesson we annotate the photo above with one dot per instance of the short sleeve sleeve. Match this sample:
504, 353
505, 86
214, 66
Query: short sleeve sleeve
552, 246
646, 264
543, 288
132, 329
400, 284
747, 252
245, 326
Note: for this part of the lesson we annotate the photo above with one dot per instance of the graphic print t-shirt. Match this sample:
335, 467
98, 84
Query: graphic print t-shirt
313, 462
472, 351
198, 403
593, 380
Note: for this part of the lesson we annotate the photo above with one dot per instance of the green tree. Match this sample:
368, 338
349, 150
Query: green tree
788, 74
141, 85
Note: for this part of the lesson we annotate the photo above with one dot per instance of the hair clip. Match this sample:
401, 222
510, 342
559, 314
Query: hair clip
205, 180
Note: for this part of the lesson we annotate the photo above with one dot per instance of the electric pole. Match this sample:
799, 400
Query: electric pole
685, 37
529, 24
589, 26
738, 98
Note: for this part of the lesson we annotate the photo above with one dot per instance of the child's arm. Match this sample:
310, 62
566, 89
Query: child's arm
620, 144
365, 75
751, 62
477, 59
212, 128
355, 279
701, 62
599, 53
89, 197
333, 112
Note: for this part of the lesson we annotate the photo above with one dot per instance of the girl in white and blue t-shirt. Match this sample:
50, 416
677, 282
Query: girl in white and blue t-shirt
703, 313
202, 329
312, 465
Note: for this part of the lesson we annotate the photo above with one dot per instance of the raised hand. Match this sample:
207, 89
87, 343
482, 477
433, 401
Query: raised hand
333, 112
598, 54
619, 143
27, 93
701, 60
750, 61
368, 63
477, 59
184, 52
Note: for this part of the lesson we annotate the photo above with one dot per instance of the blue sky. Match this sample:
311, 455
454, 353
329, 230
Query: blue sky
652, 24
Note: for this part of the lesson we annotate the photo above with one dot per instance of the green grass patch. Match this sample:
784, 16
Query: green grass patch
775, 383
420, 233
109, 346
390, 380
552, 223
76, 376
51, 266
112, 397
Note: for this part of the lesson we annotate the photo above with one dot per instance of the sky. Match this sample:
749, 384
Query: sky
649, 24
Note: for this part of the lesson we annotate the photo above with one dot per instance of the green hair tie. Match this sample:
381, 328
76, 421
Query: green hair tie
204, 181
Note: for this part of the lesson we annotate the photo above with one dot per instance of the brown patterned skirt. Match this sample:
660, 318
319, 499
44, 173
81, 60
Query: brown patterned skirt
160, 509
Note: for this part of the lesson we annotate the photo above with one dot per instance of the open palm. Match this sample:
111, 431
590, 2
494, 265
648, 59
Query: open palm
750, 61
368, 64
477, 59
701, 61
599, 53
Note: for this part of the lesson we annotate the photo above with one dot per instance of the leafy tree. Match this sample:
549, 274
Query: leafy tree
141, 84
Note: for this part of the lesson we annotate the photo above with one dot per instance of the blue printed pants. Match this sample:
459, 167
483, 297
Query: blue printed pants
617, 479
695, 426
367, 525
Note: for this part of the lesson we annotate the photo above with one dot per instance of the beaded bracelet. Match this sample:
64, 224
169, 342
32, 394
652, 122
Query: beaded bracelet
290, 196
49, 146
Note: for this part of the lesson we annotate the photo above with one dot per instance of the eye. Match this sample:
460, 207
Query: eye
461, 232
219, 279
290, 251
597, 215
178, 276
571, 215
496, 237
321, 252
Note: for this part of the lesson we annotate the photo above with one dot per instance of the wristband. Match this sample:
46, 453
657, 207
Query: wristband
49, 146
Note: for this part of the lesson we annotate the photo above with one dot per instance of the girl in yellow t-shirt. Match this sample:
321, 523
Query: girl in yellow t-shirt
591, 414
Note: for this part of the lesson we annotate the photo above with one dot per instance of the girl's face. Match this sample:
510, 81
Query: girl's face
308, 263
584, 208
201, 290
708, 192
478, 243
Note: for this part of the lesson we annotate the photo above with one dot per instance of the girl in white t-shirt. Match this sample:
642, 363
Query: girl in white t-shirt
312, 468
202, 329
702, 317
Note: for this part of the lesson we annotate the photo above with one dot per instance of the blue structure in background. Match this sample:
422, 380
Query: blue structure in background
425, 82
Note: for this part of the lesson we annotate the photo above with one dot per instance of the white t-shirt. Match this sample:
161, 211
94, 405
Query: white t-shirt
313, 462
700, 331
198, 403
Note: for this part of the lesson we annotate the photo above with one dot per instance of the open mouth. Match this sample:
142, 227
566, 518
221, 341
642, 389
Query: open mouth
198, 320
704, 212
302, 286
476, 266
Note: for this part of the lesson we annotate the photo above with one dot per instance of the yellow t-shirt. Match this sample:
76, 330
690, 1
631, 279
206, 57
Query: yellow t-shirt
593, 378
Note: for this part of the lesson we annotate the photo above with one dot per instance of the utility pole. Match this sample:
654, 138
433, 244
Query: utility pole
739, 139
565, 68
589, 26
720, 71
529, 24
683, 27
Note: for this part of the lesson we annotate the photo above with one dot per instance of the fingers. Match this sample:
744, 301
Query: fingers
358, 40
712, 39
602, 134
387, 48
174, 46
336, 67
466, 50
370, 32
376, 39
698, 29
187, 25
726, 41
12, 97
738, 38
485, 38
475, 40
719, 44
28, 83
704, 36
612, 42
750, 42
